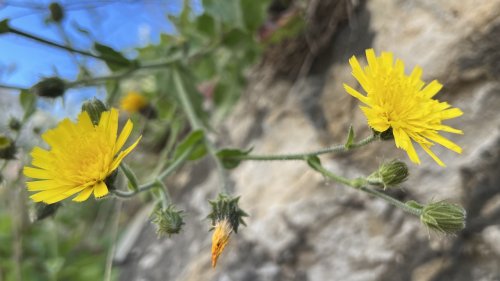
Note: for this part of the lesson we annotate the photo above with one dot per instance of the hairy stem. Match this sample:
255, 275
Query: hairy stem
360, 184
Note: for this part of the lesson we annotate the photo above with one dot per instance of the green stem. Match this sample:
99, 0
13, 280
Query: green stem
196, 125
61, 46
302, 156
11, 87
147, 186
166, 199
360, 184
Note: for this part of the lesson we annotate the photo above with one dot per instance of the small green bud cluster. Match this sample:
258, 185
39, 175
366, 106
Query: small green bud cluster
389, 174
226, 207
168, 221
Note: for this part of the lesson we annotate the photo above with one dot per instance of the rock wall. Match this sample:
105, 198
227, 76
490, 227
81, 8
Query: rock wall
304, 228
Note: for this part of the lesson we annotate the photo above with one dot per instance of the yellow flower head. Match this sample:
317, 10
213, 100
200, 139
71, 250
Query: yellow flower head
400, 102
220, 238
133, 102
80, 158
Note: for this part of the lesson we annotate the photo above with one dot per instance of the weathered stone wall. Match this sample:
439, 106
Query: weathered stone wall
303, 228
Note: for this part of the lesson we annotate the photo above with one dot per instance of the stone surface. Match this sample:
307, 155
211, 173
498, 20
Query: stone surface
303, 228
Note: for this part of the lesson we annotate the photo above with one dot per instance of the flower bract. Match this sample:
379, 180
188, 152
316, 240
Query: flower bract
80, 158
399, 102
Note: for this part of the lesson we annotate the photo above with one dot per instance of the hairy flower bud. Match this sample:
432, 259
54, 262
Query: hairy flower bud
168, 221
52, 87
42, 211
56, 12
443, 217
94, 108
389, 174
15, 124
7, 148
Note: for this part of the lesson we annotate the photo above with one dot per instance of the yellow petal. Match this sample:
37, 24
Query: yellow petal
36, 173
84, 194
442, 141
100, 189
431, 89
125, 133
356, 94
122, 155
434, 156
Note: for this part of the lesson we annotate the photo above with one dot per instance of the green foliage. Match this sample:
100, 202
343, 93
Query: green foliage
350, 138
193, 142
229, 157
28, 103
114, 59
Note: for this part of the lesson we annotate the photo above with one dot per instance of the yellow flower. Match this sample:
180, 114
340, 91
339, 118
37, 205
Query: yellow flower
400, 102
220, 238
80, 158
133, 102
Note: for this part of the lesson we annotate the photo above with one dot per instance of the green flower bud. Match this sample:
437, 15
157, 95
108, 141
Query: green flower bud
56, 12
225, 207
52, 87
168, 221
15, 124
7, 148
42, 211
389, 174
443, 217
4, 26
94, 108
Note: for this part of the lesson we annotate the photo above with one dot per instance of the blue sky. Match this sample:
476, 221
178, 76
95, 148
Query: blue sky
122, 25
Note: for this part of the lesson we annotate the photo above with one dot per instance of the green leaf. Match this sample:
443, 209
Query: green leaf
4, 26
132, 178
350, 138
229, 157
206, 25
194, 141
28, 103
228, 12
314, 162
114, 59
254, 12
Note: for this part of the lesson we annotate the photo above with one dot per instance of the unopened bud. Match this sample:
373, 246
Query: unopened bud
94, 108
42, 211
443, 217
7, 148
56, 12
52, 87
168, 221
389, 174
14, 124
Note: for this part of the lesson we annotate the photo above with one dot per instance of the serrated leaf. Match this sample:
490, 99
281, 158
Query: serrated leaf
194, 141
350, 138
28, 103
229, 157
114, 59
